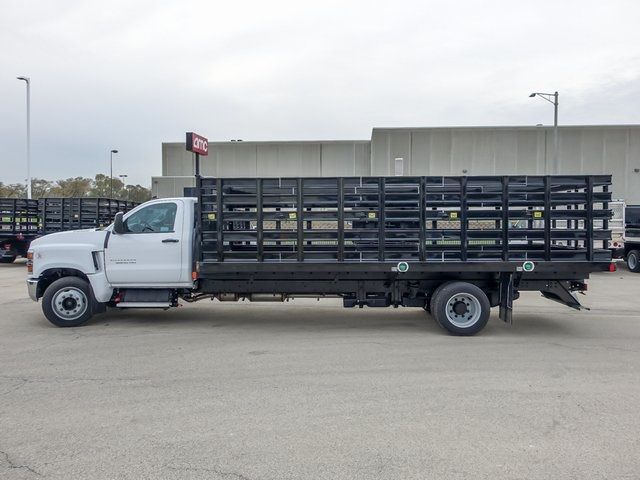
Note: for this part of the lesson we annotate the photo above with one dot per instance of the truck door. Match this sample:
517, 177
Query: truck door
150, 252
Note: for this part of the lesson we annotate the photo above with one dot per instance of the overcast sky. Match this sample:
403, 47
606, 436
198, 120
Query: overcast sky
132, 74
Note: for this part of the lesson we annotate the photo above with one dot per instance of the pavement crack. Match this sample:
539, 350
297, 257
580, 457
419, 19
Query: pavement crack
215, 471
11, 464
23, 381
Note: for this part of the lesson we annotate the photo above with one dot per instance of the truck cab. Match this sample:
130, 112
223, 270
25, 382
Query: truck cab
76, 273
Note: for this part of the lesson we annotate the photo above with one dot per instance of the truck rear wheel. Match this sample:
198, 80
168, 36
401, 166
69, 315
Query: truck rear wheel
460, 308
633, 260
67, 302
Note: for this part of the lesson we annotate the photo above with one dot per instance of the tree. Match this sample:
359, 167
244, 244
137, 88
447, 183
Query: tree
101, 187
41, 188
14, 190
71, 187
78, 187
137, 193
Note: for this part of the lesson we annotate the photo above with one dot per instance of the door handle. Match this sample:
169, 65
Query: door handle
170, 240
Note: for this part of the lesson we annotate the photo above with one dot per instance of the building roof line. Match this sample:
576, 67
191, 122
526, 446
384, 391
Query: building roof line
506, 127
278, 142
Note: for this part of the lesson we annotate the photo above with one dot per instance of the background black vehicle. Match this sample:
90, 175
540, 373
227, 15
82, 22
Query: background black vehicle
632, 237
22, 220
19, 224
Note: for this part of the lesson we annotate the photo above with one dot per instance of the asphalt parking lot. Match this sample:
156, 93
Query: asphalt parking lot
309, 390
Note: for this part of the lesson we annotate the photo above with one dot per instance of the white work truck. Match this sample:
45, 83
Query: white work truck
444, 244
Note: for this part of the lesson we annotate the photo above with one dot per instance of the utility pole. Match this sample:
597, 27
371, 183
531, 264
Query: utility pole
111, 173
553, 99
27, 80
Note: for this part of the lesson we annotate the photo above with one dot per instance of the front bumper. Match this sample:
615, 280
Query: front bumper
32, 287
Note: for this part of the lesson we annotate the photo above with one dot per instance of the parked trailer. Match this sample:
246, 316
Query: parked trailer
454, 246
23, 220
632, 237
19, 225
62, 214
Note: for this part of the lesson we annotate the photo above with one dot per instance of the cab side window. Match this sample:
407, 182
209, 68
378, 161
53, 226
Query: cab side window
156, 218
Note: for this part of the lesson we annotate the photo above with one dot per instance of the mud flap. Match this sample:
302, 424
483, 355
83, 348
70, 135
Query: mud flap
506, 297
559, 291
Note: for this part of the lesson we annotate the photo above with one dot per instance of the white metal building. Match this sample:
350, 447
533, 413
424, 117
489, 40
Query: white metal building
613, 149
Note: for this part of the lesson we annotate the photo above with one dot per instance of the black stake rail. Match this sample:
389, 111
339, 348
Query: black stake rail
418, 219
77, 213
18, 216
50, 215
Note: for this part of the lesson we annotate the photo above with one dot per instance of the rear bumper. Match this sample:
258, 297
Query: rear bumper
617, 252
32, 288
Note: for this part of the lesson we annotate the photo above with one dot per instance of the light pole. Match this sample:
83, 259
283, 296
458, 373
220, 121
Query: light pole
111, 173
553, 99
27, 80
124, 183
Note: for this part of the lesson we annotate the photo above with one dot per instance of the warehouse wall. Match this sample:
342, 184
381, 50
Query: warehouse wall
612, 149
165, 187
271, 159
512, 150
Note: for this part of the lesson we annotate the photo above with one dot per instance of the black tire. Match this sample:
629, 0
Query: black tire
8, 259
633, 261
460, 308
73, 302
429, 303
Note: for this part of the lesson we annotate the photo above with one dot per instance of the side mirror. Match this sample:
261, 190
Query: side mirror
118, 224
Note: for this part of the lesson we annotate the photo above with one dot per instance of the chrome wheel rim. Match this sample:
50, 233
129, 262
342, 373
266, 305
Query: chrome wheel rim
633, 261
463, 310
69, 303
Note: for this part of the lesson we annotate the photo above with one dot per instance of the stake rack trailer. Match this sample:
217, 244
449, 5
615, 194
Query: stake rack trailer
455, 246
23, 220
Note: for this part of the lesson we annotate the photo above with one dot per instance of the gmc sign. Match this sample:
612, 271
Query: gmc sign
197, 144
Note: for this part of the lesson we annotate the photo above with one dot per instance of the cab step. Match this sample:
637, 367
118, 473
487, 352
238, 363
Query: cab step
146, 298
144, 305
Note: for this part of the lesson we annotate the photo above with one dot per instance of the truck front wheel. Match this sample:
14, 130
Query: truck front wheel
460, 308
67, 302
633, 260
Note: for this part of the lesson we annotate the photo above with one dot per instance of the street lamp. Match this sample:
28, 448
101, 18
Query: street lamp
124, 183
27, 80
111, 173
553, 99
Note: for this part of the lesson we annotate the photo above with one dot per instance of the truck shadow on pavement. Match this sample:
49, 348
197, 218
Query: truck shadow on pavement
324, 318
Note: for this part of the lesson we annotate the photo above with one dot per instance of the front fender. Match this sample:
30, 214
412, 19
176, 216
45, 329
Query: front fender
76, 257
82, 258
